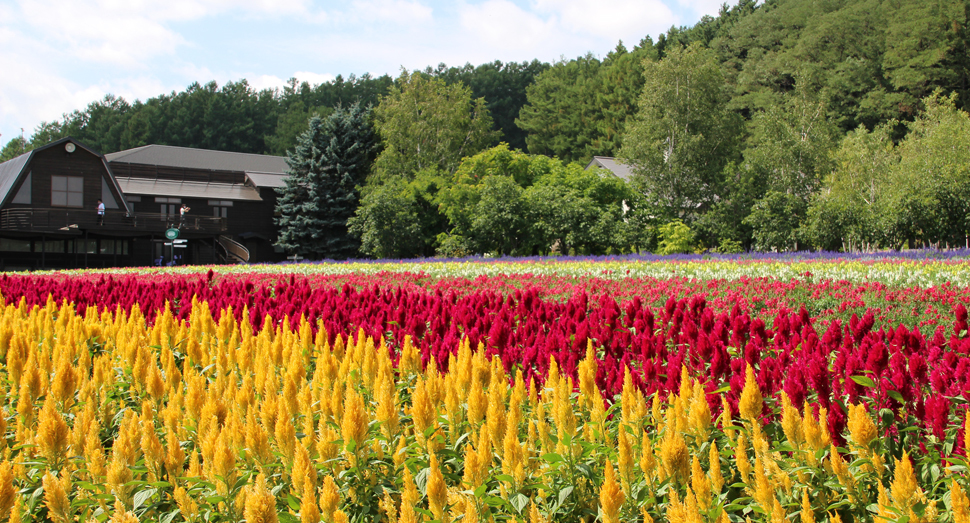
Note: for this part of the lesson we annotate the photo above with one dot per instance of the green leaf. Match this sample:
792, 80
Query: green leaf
563, 494
552, 457
142, 496
480, 491
518, 502
865, 381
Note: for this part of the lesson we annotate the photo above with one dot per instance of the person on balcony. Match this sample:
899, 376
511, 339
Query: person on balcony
182, 212
100, 212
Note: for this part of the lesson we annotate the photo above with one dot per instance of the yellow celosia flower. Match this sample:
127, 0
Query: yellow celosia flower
422, 409
188, 507
839, 468
260, 503
791, 422
52, 432
355, 423
477, 401
959, 502
535, 516
751, 402
121, 515
648, 463
563, 411
495, 414
807, 515
400, 453
224, 463
714, 460
257, 439
285, 437
862, 430
409, 499
8, 495
473, 474
625, 461
436, 489
309, 511
387, 507
815, 432
741, 458
904, 487
65, 382
675, 456
777, 511
410, 362
586, 370
700, 484
329, 498
388, 405
55, 497
700, 413
304, 473
611, 496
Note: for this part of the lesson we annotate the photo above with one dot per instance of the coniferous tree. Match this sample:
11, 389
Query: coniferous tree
329, 163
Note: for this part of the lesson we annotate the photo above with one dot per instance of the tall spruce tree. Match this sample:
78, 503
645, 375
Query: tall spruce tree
329, 163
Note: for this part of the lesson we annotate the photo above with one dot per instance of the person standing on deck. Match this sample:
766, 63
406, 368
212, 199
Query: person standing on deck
182, 212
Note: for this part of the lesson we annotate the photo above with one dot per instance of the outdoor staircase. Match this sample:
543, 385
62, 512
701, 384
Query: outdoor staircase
232, 251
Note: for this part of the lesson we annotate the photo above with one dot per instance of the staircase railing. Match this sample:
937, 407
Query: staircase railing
234, 251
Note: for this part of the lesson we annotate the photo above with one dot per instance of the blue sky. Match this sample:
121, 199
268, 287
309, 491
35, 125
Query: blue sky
58, 55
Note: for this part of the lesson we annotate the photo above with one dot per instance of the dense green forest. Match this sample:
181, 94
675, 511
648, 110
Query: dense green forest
780, 125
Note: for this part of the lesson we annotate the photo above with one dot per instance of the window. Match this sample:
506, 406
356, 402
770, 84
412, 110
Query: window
169, 211
133, 199
67, 191
81, 246
220, 208
7, 244
49, 246
170, 207
113, 247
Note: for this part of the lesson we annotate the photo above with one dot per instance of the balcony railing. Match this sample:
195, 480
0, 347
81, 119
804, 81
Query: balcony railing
47, 220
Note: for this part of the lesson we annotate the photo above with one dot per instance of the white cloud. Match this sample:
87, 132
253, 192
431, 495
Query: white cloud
502, 25
399, 11
628, 20
130, 32
702, 7
313, 78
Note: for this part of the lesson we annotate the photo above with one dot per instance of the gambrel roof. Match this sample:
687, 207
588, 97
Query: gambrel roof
12, 171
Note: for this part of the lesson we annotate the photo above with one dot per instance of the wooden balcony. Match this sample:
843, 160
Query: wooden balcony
66, 220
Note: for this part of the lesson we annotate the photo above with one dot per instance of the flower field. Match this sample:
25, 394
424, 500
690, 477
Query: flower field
617, 391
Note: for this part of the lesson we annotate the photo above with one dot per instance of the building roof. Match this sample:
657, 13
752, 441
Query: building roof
10, 173
13, 170
611, 164
267, 179
187, 158
215, 191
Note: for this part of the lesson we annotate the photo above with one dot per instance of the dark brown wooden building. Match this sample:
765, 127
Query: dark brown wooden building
49, 207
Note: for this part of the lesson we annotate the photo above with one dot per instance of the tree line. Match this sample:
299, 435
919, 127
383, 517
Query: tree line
785, 124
